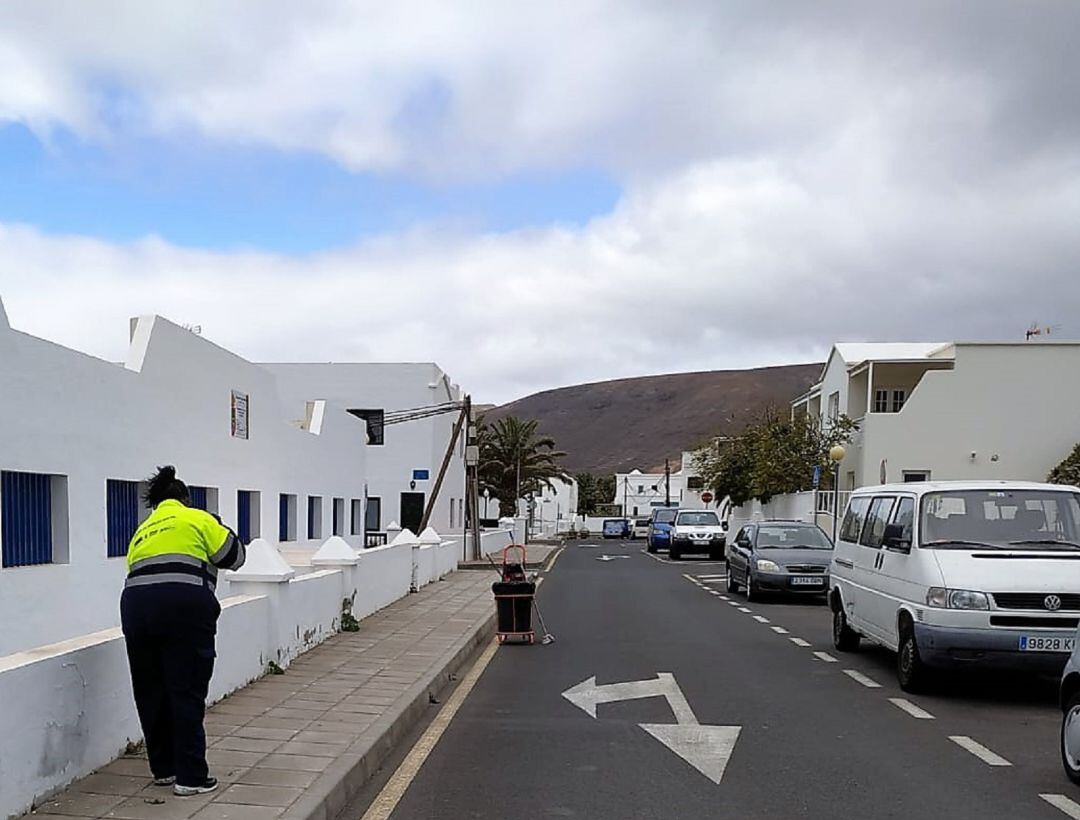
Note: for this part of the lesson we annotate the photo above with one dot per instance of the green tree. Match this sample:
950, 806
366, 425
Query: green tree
594, 490
1068, 471
516, 460
777, 455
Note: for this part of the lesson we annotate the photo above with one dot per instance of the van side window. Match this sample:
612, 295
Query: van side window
905, 516
853, 521
874, 530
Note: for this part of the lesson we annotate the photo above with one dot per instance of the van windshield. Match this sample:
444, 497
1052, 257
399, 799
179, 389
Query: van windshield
1001, 519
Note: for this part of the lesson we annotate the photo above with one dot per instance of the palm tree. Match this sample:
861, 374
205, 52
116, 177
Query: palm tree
515, 460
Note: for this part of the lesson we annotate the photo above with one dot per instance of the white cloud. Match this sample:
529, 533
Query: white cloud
721, 265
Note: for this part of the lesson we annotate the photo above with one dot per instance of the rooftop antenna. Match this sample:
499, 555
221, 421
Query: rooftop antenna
1040, 330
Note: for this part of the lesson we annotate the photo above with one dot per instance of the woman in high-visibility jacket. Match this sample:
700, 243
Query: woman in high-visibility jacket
169, 614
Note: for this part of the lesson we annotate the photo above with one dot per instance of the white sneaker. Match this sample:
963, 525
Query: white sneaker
164, 781
209, 785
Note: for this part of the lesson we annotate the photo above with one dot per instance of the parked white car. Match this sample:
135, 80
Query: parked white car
698, 531
640, 528
959, 574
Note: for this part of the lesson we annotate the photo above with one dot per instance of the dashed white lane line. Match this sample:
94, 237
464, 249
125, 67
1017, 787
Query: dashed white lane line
859, 677
724, 598
761, 619
907, 706
713, 592
691, 579
734, 603
799, 642
779, 630
985, 755
1060, 801
708, 578
744, 609
825, 656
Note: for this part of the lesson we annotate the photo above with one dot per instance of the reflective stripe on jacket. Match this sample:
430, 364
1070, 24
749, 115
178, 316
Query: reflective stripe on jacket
179, 544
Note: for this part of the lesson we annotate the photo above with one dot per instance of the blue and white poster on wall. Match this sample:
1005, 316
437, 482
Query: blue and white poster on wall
420, 475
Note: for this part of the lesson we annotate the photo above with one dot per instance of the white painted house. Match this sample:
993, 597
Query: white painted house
402, 459
638, 493
956, 410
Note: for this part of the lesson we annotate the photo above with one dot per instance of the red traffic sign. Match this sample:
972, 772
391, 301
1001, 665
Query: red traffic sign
706, 497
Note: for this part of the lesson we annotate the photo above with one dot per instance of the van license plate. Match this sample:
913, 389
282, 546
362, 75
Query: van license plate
807, 582
1035, 643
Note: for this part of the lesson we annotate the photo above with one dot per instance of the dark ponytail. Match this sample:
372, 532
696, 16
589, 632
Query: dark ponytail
164, 485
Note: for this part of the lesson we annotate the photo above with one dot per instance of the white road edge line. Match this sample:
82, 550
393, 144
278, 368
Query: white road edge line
905, 705
799, 642
391, 794
825, 656
779, 630
985, 755
761, 619
859, 677
1060, 801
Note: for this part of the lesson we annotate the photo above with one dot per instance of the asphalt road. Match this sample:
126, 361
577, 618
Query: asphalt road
814, 742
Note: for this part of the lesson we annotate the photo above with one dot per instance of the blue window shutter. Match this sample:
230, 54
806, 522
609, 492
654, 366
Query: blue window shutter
121, 514
311, 516
243, 515
26, 516
283, 517
198, 497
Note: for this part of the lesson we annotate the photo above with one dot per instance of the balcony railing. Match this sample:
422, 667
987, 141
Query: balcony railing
374, 539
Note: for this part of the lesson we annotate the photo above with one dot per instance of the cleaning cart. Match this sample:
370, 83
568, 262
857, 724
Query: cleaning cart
514, 598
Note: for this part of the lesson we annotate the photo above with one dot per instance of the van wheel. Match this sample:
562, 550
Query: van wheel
910, 669
844, 637
1070, 739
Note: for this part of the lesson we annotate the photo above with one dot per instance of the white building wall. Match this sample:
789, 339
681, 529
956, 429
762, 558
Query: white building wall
413, 445
69, 414
1011, 405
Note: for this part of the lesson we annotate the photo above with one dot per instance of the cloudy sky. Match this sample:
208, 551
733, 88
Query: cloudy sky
540, 194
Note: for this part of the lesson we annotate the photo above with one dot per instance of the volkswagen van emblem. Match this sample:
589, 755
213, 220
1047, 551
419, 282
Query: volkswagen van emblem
1052, 602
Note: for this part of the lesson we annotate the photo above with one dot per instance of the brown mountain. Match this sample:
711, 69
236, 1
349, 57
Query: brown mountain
618, 425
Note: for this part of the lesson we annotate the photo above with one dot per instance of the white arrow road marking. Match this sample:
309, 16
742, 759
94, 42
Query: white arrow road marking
907, 706
799, 642
707, 748
588, 694
606, 557
869, 683
985, 755
1060, 801
825, 656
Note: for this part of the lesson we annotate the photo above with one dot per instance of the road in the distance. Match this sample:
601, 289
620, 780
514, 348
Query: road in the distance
815, 742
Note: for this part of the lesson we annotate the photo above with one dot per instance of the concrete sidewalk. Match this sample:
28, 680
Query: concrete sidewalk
299, 745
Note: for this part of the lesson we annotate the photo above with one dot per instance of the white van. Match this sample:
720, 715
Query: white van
959, 573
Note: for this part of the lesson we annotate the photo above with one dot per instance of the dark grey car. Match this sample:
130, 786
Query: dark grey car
779, 556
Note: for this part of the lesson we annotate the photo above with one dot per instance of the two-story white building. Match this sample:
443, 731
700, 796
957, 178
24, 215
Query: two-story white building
403, 456
950, 410
638, 493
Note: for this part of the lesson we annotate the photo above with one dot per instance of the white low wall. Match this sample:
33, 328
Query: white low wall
791, 507
75, 710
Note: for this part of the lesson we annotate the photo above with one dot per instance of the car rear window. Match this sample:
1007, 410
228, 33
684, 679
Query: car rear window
664, 516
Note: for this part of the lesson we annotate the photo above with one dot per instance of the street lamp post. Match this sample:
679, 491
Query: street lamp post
487, 498
836, 455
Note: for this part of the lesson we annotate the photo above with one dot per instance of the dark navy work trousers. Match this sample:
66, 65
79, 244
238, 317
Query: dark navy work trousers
169, 630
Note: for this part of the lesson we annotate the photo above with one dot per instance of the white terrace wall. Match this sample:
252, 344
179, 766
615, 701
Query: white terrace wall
71, 415
792, 507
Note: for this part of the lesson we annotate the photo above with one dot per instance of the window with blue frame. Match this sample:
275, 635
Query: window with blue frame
26, 533
198, 497
248, 505
286, 517
122, 513
314, 517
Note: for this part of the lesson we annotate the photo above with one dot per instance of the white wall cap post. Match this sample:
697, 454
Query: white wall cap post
392, 530
506, 523
406, 536
429, 536
264, 563
335, 552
